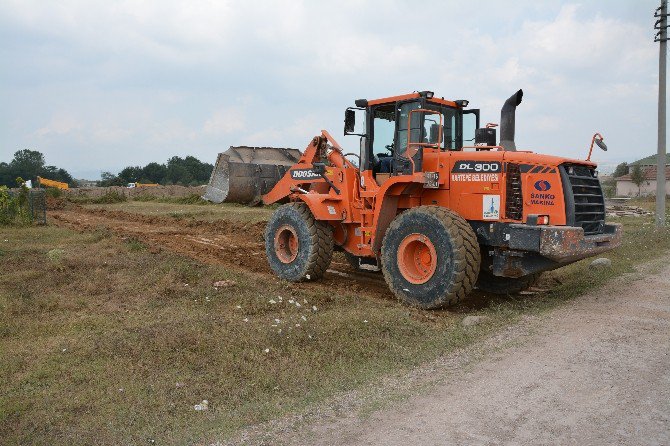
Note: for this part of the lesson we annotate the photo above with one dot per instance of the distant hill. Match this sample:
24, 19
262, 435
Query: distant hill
650, 161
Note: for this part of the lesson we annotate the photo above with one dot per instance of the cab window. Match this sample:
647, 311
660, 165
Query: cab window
383, 128
428, 132
450, 128
415, 128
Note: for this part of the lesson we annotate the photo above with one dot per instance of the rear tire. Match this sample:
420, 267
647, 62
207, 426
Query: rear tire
489, 283
298, 247
430, 257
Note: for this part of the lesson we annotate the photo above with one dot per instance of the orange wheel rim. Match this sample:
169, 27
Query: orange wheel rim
417, 259
286, 244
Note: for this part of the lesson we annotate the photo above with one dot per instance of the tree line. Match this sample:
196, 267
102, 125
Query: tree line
28, 165
188, 171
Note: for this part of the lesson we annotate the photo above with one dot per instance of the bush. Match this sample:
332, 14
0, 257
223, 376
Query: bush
111, 197
9, 207
14, 207
54, 192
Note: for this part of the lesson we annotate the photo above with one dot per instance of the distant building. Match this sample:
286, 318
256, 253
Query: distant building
86, 183
626, 188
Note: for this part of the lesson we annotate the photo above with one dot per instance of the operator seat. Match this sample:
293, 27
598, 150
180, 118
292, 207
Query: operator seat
385, 164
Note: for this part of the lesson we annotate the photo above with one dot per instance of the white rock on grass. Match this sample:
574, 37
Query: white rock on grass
204, 405
601, 262
469, 321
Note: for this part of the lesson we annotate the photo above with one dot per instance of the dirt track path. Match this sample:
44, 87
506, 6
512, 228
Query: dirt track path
594, 372
235, 244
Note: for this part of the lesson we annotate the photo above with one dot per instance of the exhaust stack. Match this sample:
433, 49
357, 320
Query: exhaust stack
507, 121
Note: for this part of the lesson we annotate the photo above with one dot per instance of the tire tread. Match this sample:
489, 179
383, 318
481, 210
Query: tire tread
465, 253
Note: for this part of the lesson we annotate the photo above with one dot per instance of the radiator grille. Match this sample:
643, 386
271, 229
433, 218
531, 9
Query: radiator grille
585, 203
513, 193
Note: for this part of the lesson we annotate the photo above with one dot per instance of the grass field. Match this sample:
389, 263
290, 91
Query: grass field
105, 341
205, 212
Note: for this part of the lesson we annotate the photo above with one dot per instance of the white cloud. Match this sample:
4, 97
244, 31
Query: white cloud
225, 121
143, 80
60, 124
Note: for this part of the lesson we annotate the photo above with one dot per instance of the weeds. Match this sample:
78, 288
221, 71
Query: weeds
226, 211
14, 207
54, 192
110, 197
120, 346
178, 215
190, 199
55, 255
135, 245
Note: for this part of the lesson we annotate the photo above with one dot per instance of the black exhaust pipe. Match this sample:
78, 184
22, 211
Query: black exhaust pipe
507, 115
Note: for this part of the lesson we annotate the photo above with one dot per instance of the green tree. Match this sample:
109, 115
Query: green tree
185, 171
5, 175
27, 164
621, 170
109, 179
199, 171
177, 173
131, 174
154, 173
637, 177
54, 173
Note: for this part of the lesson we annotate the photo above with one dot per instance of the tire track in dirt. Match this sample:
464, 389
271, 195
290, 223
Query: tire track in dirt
234, 244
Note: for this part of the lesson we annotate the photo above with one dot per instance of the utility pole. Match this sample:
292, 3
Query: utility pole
661, 36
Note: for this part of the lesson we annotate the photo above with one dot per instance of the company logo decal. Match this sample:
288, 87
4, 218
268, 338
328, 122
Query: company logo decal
542, 199
476, 166
491, 207
304, 174
542, 185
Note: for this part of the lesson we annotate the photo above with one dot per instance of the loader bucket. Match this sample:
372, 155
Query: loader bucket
244, 174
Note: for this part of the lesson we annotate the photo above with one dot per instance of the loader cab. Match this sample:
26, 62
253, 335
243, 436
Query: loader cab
398, 129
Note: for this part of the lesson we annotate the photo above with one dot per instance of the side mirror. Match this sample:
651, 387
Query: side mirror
349, 121
599, 140
319, 168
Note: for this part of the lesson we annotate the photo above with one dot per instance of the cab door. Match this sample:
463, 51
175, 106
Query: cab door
404, 134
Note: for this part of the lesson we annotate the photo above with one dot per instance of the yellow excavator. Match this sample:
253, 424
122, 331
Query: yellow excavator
44, 182
133, 185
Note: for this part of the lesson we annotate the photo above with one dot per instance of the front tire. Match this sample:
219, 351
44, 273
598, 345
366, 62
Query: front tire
298, 246
430, 257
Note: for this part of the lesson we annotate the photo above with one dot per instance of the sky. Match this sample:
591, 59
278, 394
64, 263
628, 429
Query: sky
100, 85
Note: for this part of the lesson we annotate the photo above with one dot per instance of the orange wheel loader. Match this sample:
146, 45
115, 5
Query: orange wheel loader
432, 200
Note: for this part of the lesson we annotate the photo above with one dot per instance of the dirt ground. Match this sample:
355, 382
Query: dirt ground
237, 244
596, 371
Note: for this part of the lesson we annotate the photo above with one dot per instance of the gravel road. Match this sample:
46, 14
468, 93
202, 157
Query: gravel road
594, 372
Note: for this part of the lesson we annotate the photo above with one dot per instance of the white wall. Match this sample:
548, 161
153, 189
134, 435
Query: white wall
629, 189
